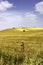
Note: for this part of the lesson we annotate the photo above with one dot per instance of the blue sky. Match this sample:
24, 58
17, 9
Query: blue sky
21, 13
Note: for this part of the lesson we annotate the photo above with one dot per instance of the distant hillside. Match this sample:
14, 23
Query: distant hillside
20, 31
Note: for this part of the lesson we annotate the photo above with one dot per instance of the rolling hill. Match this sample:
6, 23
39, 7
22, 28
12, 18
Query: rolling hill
22, 41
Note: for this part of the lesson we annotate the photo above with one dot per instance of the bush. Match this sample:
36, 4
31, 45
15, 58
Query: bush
20, 59
5, 58
23, 30
41, 54
15, 60
0, 54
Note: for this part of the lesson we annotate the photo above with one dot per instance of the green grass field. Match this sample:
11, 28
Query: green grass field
21, 46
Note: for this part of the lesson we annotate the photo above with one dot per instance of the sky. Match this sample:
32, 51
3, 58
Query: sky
21, 13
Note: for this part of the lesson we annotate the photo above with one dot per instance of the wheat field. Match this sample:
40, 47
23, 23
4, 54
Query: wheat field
21, 46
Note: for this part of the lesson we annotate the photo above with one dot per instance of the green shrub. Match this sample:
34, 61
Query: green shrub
15, 60
20, 59
0, 54
41, 54
5, 58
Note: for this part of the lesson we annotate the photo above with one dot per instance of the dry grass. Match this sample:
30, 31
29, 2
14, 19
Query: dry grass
22, 44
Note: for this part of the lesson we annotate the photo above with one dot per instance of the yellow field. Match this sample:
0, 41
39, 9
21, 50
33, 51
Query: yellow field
23, 44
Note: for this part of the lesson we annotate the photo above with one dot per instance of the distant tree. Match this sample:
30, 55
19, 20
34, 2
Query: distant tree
13, 27
23, 30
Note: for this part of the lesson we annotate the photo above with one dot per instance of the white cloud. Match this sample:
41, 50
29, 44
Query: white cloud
4, 5
8, 20
39, 7
30, 16
29, 19
11, 19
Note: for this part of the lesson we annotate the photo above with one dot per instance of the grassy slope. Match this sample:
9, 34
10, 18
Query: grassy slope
32, 37
11, 40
